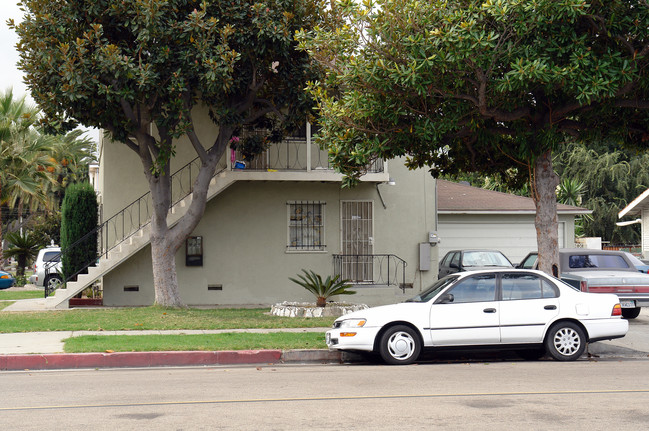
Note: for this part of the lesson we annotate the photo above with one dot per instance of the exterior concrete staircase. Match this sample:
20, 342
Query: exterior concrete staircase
131, 245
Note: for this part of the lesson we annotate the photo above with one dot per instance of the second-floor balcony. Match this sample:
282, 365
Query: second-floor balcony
297, 158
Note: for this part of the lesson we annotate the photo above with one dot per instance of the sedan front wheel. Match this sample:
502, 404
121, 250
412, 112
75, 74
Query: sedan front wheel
565, 341
400, 345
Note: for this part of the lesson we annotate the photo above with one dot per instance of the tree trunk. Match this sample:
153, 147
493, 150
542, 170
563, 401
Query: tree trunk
163, 245
165, 281
22, 263
544, 185
165, 240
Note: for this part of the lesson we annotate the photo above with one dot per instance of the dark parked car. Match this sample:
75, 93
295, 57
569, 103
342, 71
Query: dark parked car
470, 260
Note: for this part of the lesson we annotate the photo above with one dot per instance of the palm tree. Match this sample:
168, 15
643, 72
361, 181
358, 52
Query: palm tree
70, 156
22, 150
24, 247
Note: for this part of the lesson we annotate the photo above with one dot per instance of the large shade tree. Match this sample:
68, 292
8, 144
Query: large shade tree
480, 86
140, 69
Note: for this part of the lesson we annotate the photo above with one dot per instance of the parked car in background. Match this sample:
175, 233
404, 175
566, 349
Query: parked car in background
47, 268
639, 264
602, 271
529, 261
6, 280
470, 260
522, 310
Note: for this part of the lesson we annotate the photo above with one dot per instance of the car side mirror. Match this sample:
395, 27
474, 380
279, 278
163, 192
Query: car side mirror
454, 265
445, 299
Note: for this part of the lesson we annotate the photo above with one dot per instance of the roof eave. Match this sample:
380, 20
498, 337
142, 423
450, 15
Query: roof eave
634, 207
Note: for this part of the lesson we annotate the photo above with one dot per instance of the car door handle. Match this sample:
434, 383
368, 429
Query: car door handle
550, 307
489, 310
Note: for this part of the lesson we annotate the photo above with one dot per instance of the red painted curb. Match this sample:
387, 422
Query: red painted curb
57, 361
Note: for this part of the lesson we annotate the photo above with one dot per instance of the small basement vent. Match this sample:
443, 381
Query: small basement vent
214, 287
131, 288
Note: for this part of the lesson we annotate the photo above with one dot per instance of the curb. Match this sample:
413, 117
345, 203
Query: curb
59, 361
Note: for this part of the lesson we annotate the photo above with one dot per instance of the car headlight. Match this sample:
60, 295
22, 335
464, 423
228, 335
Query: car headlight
352, 323
4, 276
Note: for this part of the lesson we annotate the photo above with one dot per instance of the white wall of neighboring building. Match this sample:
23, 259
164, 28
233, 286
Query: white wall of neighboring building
514, 235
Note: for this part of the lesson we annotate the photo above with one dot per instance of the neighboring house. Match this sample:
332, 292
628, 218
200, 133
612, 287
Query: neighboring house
473, 218
283, 212
639, 209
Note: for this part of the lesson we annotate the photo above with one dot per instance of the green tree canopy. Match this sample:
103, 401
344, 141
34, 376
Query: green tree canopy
144, 70
611, 178
480, 86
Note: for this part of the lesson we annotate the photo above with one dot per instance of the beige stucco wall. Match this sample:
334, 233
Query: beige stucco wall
244, 233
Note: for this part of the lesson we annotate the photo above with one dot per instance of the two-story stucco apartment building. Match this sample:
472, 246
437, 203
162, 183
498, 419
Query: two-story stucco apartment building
282, 212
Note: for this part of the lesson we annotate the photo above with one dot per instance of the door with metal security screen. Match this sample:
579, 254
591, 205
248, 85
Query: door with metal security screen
357, 241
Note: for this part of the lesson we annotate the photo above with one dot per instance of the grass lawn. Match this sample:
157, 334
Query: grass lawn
142, 318
227, 341
8, 298
14, 295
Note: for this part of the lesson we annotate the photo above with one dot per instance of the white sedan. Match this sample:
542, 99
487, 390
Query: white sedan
522, 310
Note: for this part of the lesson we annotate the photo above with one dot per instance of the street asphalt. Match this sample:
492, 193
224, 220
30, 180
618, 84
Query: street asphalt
44, 350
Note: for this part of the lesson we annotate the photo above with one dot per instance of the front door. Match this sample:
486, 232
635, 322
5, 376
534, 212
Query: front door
357, 237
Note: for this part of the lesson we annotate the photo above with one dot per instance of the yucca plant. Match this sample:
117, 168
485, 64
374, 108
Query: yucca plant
323, 289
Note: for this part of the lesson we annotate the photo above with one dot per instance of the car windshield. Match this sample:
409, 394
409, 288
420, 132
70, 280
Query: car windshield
484, 258
433, 290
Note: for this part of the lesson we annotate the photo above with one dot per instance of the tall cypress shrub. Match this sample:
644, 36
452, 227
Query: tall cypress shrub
79, 213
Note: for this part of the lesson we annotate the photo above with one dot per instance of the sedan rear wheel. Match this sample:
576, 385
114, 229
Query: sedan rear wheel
400, 345
565, 341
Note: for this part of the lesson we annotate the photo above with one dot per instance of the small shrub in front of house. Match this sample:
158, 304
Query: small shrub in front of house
322, 289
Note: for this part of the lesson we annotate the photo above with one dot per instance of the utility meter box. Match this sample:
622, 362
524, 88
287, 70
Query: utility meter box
433, 238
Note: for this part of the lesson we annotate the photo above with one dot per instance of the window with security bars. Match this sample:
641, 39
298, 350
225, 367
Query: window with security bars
306, 226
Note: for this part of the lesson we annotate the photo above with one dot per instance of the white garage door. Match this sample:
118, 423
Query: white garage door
515, 240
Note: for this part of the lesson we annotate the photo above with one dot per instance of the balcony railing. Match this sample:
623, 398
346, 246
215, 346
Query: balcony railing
371, 269
294, 153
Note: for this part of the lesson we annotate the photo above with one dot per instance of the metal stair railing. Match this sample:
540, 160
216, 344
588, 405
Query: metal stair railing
372, 269
128, 221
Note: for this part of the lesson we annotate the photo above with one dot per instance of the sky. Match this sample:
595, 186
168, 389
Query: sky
10, 76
